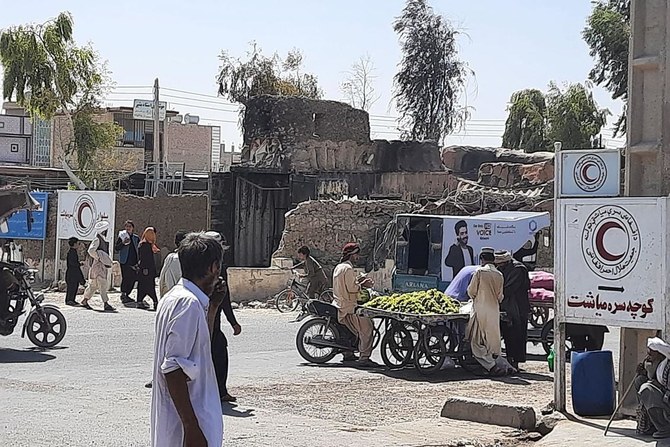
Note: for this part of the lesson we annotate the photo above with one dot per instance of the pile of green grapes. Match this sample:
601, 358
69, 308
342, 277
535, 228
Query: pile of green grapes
423, 302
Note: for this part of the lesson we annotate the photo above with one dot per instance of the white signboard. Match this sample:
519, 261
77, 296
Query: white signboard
79, 211
590, 173
464, 237
144, 110
613, 262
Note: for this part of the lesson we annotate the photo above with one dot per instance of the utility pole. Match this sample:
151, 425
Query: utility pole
157, 123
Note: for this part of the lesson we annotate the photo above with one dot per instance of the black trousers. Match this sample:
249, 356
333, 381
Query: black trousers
146, 287
515, 336
71, 291
128, 278
220, 359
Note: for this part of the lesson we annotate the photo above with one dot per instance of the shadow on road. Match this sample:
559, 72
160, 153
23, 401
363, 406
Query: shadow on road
24, 356
229, 409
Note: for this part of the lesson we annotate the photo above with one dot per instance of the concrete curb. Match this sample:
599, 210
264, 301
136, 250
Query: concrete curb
494, 413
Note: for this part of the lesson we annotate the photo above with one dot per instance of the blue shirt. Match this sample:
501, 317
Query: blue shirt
458, 287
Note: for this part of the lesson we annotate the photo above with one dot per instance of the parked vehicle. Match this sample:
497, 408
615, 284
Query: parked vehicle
45, 325
322, 337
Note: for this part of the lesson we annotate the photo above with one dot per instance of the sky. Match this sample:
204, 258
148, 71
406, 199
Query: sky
510, 45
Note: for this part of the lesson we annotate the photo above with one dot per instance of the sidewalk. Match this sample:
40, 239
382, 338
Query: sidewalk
589, 432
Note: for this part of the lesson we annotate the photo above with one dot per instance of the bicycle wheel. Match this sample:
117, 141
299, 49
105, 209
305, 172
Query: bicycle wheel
286, 301
327, 296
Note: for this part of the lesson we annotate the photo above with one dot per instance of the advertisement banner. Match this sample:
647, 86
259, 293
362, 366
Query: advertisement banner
17, 224
464, 237
79, 211
616, 253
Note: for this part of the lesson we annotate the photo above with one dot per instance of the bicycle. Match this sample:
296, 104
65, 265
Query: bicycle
295, 296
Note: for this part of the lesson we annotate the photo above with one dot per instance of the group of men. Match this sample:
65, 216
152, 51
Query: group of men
499, 284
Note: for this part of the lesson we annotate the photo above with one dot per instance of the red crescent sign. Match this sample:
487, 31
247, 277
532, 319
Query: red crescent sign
599, 240
585, 173
80, 211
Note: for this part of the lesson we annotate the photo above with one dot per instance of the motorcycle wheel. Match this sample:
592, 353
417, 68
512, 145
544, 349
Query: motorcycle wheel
397, 347
286, 301
48, 329
430, 353
315, 354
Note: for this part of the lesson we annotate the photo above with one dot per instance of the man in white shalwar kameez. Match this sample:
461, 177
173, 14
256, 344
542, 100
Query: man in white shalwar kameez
185, 405
486, 291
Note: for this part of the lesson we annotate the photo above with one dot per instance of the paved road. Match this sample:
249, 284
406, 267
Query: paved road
90, 391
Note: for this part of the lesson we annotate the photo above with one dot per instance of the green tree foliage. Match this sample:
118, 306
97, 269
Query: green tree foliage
526, 123
240, 79
48, 74
607, 34
573, 116
431, 78
537, 120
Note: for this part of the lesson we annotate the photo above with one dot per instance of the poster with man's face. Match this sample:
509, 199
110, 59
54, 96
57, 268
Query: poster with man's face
464, 238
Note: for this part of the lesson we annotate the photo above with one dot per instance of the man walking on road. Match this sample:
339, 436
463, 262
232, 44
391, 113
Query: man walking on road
102, 262
127, 244
318, 282
185, 409
346, 288
171, 271
486, 291
516, 305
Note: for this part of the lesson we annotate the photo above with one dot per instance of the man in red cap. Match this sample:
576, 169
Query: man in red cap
346, 287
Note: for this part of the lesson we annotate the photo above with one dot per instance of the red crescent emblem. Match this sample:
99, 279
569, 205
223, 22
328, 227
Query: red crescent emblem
600, 246
80, 210
585, 173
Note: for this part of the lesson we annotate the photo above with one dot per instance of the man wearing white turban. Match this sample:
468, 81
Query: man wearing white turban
102, 262
653, 390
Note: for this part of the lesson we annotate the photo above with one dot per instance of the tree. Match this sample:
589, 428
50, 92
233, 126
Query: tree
431, 78
573, 116
526, 121
359, 88
48, 74
261, 75
607, 34
536, 120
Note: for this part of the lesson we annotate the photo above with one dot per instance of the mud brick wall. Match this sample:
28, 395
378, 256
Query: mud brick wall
326, 226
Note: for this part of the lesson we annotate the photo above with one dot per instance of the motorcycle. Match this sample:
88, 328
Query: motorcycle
45, 325
322, 336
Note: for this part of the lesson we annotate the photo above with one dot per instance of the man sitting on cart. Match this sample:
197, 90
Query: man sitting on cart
346, 287
483, 332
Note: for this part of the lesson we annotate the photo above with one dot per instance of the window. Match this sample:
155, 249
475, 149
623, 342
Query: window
2, 124
133, 130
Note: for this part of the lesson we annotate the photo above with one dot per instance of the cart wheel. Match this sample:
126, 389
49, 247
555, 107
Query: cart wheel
430, 352
46, 328
547, 338
539, 317
376, 335
397, 347
286, 301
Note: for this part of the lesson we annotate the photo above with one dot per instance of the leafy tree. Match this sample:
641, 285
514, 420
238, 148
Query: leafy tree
261, 75
48, 74
359, 88
431, 78
536, 120
607, 34
526, 122
573, 116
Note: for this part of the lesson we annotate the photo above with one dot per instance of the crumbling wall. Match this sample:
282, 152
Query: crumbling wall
325, 226
515, 175
466, 160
